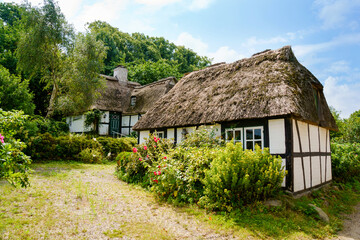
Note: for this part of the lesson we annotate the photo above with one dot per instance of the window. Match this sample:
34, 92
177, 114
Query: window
234, 134
253, 136
249, 136
316, 97
133, 101
160, 134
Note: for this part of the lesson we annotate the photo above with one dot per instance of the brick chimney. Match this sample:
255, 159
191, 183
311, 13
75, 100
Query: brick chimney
120, 72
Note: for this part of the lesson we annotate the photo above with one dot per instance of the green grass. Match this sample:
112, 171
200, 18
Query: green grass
72, 200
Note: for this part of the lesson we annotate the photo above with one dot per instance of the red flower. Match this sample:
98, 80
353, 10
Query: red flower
147, 156
159, 172
154, 146
157, 139
156, 181
155, 173
134, 149
145, 148
159, 166
165, 157
140, 159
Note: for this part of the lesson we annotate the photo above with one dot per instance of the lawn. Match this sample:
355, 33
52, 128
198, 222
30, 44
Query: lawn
83, 201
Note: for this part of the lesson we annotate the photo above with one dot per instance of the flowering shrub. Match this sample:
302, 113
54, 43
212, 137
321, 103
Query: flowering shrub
131, 169
201, 138
238, 177
182, 173
345, 161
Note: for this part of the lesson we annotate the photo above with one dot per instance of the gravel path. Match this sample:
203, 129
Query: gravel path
91, 203
351, 228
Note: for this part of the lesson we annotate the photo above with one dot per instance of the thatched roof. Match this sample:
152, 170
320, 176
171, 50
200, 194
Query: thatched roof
271, 83
117, 94
149, 94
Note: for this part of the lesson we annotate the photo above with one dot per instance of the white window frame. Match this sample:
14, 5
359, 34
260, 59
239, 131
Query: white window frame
254, 140
233, 132
161, 132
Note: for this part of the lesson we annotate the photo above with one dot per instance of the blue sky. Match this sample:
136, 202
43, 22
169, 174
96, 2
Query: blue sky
324, 34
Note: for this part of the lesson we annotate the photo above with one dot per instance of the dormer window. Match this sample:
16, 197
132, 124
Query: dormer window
132, 101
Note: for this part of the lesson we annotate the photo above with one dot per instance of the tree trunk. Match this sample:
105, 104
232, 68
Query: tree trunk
53, 97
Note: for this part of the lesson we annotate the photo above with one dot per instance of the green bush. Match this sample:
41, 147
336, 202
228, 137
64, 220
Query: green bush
131, 169
201, 138
181, 174
14, 164
237, 177
345, 161
113, 146
89, 155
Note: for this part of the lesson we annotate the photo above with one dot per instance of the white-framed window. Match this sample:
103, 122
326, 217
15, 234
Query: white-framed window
248, 136
77, 117
234, 134
132, 100
160, 134
253, 136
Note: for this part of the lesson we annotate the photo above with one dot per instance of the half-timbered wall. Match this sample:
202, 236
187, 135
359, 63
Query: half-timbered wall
127, 122
311, 156
277, 141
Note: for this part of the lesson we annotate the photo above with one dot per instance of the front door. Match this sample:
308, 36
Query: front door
114, 129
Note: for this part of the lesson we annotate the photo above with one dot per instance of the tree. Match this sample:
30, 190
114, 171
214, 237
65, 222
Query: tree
14, 93
81, 80
43, 46
337, 136
352, 128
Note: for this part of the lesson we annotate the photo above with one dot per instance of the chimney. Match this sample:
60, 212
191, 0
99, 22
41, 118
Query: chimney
120, 72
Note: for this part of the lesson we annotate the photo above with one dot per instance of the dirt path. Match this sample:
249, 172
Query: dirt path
92, 203
351, 228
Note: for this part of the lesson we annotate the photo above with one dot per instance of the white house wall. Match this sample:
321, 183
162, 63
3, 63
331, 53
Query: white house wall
77, 124
104, 123
170, 133
312, 155
143, 136
277, 140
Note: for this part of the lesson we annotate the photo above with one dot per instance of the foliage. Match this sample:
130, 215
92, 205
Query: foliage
201, 138
14, 93
113, 146
43, 43
89, 155
352, 128
92, 118
148, 58
81, 79
14, 164
337, 135
345, 161
237, 177
182, 173
130, 169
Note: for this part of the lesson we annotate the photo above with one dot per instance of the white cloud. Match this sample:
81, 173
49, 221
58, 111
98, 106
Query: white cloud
339, 67
225, 54
157, 3
196, 44
343, 97
335, 13
199, 4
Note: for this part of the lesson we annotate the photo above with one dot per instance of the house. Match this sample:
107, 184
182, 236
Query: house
269, 99
122, 103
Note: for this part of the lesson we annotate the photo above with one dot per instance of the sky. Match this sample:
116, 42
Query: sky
324, 34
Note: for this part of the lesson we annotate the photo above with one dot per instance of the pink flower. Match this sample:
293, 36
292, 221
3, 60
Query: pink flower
145, 148
1, 138
155, 139
140, 159
134, 149
159, 173
165, 157
154, 146
155, 173
147, 156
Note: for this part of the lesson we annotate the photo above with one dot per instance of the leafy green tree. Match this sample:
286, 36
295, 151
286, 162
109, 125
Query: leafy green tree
352, 128
14, 93
337, 136
148, 71
81, 79
43, 45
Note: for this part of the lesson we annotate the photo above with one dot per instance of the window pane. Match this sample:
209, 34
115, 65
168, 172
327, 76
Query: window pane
160, 135
249, 145
249, 134
229, 135
258, 143
237, 135
257, 133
